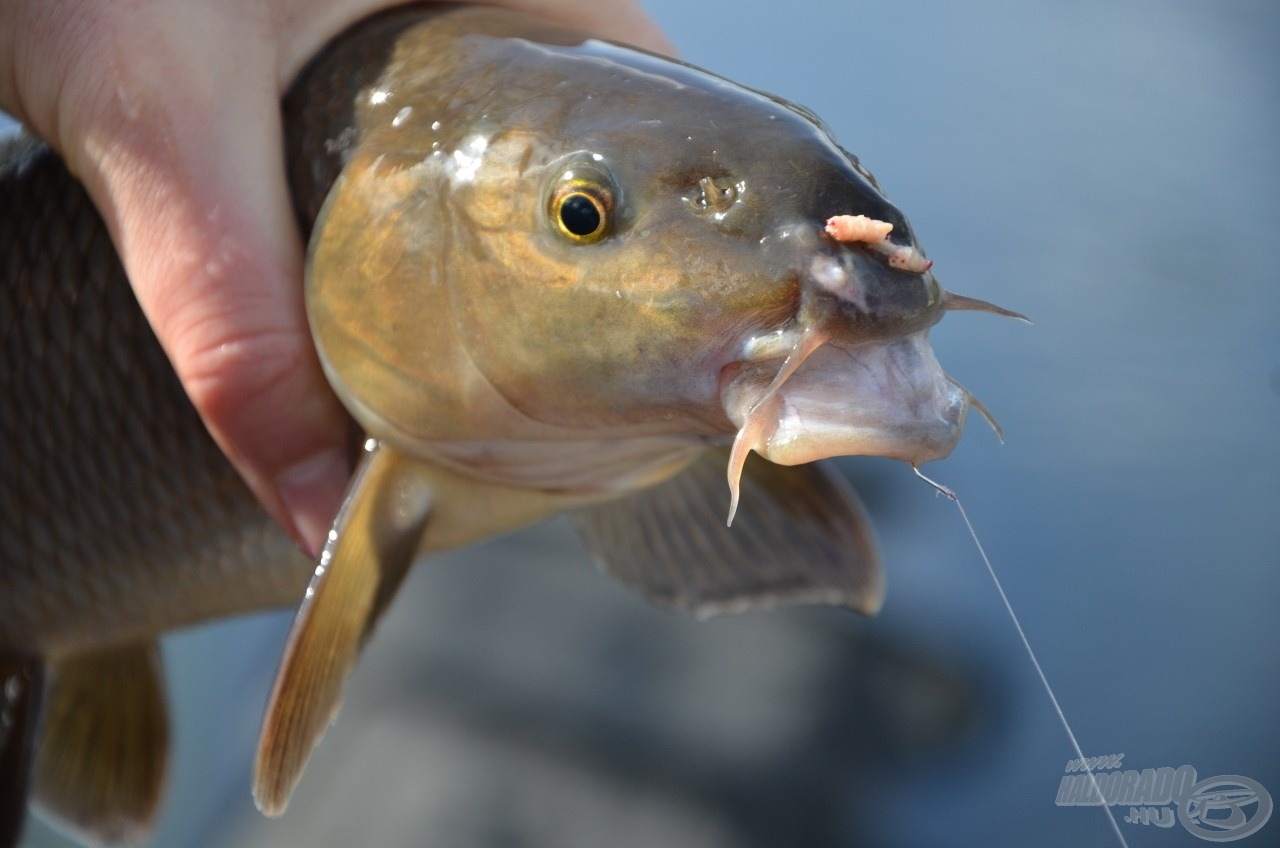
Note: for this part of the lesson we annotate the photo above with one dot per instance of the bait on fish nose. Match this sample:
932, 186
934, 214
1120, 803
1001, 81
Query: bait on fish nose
859, 229
874, 235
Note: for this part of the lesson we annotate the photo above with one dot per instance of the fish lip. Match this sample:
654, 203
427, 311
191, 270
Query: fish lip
887, 398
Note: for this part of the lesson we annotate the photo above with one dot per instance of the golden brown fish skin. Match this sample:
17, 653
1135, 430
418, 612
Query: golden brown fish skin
543, 342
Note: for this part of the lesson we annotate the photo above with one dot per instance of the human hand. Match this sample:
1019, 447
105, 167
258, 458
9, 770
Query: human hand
168, 112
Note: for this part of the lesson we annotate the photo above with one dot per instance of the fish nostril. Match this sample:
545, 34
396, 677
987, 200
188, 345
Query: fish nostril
838, 277
716, 196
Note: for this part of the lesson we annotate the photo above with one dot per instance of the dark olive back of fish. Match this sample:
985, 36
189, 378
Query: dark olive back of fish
118, 514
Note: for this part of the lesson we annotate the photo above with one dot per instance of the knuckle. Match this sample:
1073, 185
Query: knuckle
239, 374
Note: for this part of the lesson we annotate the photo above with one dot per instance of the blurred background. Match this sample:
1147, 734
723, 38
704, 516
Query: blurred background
1111, 169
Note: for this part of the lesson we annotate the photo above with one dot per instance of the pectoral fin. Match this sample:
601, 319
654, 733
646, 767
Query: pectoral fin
801, 536
104, 742
367, 556
21, 688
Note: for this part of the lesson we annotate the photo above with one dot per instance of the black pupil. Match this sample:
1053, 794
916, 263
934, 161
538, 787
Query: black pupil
579, 215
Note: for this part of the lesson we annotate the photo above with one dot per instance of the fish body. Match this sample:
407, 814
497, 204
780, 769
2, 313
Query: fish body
545, 273
119, 516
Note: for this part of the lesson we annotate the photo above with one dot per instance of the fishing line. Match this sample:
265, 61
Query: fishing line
1026, 643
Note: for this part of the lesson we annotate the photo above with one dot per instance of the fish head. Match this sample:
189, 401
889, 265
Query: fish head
565, 240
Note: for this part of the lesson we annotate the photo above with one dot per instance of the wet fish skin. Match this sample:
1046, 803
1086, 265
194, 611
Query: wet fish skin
455, 170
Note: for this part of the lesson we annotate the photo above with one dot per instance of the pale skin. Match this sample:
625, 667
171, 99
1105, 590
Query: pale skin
168, 112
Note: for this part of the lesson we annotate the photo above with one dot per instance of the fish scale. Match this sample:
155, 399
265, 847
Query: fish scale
119, 516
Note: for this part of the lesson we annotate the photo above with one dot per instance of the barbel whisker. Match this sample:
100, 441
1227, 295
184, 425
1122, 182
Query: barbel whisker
976, 403
953, 302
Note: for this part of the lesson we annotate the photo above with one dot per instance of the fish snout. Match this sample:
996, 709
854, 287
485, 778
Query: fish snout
862, 290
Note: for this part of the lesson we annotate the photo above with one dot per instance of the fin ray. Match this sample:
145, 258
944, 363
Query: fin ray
368, 554
104, 743
802, 536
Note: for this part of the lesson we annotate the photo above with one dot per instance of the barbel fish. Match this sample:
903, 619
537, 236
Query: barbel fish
545, 274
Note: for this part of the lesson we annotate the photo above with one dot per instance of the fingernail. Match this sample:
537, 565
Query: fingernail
312, 491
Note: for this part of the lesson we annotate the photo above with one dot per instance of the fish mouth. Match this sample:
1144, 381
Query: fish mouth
853, 373
886, 398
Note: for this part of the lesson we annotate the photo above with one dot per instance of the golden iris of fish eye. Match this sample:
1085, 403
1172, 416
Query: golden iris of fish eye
566, 208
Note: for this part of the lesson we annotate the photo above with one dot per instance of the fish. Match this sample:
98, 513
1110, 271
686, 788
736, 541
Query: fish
545, 274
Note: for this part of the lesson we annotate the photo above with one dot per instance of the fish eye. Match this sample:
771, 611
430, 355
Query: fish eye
581, 204
581, 216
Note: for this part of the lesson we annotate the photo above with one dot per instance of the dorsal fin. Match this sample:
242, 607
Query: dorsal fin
801, 536
104, 743
368, 554
21, 691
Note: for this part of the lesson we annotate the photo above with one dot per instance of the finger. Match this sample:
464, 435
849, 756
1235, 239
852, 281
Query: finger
621, 20
184, 163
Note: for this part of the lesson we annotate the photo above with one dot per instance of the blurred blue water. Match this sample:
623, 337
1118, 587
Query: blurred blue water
1111, 170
